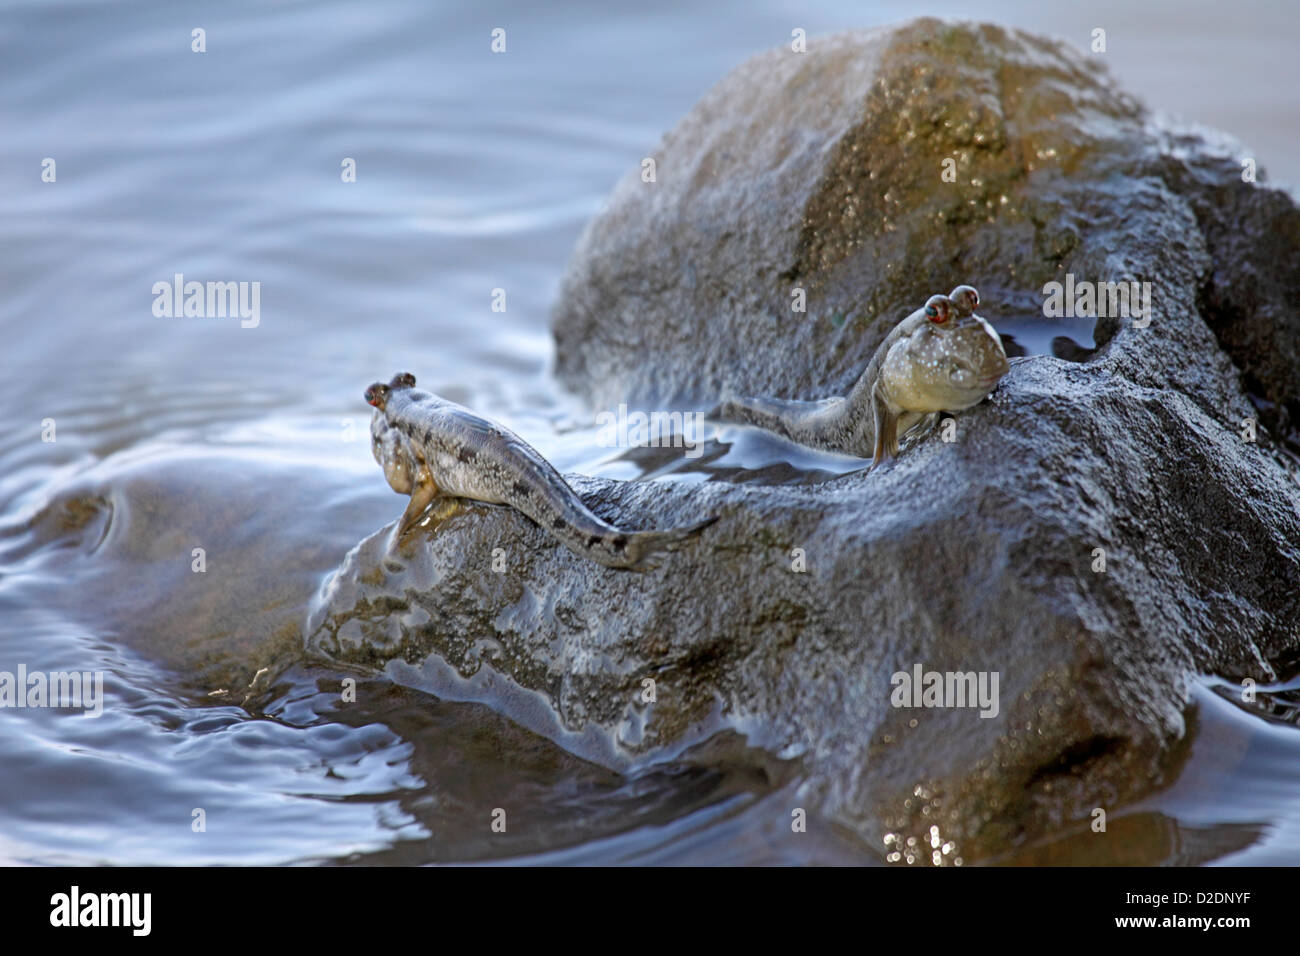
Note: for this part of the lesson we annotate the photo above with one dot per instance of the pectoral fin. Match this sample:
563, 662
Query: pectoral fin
422, 496
886, 425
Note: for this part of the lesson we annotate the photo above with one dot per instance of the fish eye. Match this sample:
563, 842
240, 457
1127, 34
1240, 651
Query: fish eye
938, 309
965, 298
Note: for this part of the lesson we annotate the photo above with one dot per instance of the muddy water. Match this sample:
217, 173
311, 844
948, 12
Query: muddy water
205, 477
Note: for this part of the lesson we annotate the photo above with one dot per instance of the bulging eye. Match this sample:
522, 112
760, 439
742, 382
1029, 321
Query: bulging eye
965, 299
938, 309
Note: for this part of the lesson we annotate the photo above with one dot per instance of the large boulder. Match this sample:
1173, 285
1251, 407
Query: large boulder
824, 171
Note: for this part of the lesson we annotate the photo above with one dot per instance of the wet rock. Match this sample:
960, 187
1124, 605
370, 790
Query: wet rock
787, 620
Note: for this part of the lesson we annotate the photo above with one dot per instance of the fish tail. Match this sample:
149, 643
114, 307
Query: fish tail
644, 546
792, 419
563, 514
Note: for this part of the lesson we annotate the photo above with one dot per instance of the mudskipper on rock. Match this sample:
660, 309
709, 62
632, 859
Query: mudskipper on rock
436, 450
941, 358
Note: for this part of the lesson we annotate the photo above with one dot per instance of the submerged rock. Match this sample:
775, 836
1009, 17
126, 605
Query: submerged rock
788, 619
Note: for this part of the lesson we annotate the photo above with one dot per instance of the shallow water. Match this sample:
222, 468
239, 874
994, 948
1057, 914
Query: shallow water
474, 172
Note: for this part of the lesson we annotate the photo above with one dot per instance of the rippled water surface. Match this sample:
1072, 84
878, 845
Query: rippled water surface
475, 172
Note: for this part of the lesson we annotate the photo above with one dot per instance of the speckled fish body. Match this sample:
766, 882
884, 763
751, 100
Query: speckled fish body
430, 447
934, 369
941, 358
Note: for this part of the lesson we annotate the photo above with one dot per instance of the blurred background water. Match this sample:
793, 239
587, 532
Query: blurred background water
475, 172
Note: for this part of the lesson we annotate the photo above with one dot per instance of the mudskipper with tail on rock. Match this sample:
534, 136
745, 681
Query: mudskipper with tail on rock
433, 449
